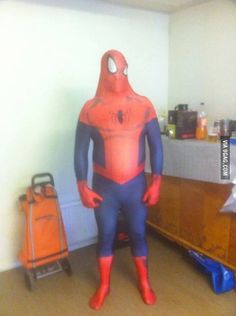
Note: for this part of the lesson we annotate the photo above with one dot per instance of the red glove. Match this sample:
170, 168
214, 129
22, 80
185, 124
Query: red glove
89, 198
151, 196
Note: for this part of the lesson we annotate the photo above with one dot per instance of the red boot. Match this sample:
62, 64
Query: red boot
146, 291
97, 300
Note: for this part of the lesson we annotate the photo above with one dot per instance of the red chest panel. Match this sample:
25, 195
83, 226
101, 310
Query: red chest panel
120, 124
117, 115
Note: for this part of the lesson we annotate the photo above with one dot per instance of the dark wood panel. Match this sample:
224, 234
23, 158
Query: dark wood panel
216, 225
191, 213
232, 241
188, 213
169, 205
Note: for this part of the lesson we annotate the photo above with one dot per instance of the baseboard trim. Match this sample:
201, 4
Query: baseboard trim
83, 243
72, 247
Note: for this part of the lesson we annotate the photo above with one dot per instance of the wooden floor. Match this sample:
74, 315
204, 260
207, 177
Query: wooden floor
181, 288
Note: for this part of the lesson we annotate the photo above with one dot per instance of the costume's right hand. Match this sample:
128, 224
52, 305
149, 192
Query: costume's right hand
151, 195
89, 198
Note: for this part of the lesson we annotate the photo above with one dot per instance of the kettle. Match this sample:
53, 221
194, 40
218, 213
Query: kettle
181, 107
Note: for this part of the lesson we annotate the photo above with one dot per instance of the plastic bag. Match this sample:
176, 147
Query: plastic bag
230, 204
223, 279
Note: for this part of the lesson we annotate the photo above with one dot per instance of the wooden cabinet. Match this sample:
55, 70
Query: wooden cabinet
188, 213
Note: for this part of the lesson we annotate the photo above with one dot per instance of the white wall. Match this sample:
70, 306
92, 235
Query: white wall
202, 58
49, 66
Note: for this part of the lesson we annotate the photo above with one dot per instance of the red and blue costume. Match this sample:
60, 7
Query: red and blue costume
118, 121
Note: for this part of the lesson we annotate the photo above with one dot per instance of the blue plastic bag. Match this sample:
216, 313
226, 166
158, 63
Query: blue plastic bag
223, 279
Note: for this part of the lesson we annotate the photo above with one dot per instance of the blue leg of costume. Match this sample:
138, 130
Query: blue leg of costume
126, 198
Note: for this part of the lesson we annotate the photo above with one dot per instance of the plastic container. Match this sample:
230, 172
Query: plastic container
201, 129
212, 134
232, 141
222, 278
224, 127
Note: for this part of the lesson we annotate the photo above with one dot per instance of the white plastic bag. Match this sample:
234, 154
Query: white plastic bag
230, 204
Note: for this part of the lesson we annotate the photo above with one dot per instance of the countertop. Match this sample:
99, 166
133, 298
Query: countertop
194, 159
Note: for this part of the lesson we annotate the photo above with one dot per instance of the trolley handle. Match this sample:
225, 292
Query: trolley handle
35, 179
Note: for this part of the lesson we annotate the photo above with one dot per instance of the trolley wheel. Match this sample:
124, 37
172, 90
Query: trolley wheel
29, 280
65, 264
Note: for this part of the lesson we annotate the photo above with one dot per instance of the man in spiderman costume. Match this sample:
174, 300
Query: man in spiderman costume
118, 121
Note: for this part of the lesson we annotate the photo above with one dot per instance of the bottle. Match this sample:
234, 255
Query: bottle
171, 126
201, 129
162, 122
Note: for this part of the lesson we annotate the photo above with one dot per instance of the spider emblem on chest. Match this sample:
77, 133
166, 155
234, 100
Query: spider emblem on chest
120, 116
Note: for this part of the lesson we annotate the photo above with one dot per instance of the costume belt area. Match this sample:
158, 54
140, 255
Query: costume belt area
118, 121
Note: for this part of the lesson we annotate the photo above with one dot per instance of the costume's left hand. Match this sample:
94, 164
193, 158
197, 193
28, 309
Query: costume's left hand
151, 196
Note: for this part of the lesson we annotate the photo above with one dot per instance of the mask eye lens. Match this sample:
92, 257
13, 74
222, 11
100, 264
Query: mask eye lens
125, 72
112, 65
